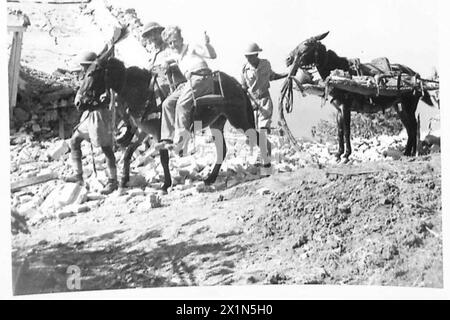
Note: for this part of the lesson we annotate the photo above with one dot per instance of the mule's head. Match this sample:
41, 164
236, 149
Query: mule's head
103, 74
306, 54
92, 85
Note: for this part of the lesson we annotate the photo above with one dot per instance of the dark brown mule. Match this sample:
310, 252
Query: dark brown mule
312, 52
135, 94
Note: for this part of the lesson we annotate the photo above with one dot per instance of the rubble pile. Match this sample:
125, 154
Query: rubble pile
32, 158
359, 228
45, 96
45, 102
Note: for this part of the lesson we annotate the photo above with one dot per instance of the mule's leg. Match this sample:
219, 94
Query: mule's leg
409, 121
221, 149
340, 129
127, 158
402, 115
346, 122
412, 135
164, 158
410, 106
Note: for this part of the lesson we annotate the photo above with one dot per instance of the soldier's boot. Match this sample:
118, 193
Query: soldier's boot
76, 178
77, 166
112, 183
110, 187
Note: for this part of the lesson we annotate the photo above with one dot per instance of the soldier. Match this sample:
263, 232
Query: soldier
190, 59
164, 81
256, 76
95, 126
151, 35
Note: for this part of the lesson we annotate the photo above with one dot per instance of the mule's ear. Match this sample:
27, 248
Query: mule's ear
321, 36
105, 54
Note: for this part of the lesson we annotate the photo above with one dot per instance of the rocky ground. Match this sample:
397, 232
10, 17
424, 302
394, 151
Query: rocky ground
367, 222
373, 221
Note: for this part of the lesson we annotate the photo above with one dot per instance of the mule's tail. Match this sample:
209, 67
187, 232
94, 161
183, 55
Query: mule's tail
427, 98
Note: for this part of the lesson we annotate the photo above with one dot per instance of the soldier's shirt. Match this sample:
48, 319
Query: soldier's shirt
257, 80
156, 66
188, 60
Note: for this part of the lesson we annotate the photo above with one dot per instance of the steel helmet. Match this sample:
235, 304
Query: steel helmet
149, 27
87, 57
252, 48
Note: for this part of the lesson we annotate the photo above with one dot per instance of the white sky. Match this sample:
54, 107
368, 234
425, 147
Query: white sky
404, 30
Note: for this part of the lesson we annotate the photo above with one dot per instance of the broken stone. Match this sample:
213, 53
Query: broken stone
251, 177
21, 115
183, 172
145, 160
94, 197
233, 182
182, 187
36, 128
77, 208
65, 213
435, 148
302, 240
276, 277
155, 185
219, 186
252, 170
94, 184
59, 149
65, 195
136, 192
200, 186
137, 181
263, 191
184, 162
83, 208
29, 210
155, 200
176, 180
345, 208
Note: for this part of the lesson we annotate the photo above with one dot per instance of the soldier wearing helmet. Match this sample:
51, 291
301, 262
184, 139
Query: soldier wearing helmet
256, 76
190, 59
168, 78
95, 126
86, 58
151, 34
151, 39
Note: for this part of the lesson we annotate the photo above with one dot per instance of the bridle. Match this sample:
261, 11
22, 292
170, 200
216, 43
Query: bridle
88, 97
316, 61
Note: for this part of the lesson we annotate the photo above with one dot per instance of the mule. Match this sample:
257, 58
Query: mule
136, 98
312, 53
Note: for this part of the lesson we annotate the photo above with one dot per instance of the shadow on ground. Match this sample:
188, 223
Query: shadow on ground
44, 268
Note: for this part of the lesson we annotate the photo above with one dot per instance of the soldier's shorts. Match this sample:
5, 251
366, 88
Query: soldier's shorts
96, 127
265, 111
